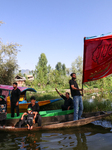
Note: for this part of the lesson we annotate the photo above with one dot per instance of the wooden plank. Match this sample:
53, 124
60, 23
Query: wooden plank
77, 122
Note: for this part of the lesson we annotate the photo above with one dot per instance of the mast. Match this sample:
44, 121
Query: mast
83, 66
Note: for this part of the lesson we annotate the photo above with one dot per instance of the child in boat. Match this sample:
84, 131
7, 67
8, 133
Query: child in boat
30, 118
3, 110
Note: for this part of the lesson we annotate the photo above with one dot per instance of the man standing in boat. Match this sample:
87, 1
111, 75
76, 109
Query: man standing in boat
77, 99
15, 95
68, 104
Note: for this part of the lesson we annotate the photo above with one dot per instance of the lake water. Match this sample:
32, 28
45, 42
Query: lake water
89, 137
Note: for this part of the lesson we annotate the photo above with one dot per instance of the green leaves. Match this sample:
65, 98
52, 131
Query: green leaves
8, 62
77, 67
41, 70
61, 68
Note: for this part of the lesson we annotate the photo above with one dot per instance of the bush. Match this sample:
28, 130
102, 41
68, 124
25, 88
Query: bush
97, 106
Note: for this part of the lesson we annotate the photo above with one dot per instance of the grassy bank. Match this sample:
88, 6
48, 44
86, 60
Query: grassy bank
97, 106
47, 95
100, 101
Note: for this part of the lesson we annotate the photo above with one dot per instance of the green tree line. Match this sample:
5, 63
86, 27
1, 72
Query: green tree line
45, 75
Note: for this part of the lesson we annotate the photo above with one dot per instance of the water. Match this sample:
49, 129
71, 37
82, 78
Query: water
103, 123
89, 137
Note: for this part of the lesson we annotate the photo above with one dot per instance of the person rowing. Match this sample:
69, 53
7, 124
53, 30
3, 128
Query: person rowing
68, 103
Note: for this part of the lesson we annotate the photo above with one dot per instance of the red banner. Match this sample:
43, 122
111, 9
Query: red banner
97, 58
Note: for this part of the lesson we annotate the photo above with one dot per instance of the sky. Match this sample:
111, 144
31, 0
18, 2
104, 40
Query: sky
54, 27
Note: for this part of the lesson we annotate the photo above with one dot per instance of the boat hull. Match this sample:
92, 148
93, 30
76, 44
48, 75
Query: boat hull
56, 126
48, 117
63, 121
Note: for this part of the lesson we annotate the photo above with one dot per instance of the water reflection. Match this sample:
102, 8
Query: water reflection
29, 141
63, 141
82, 138
81, 141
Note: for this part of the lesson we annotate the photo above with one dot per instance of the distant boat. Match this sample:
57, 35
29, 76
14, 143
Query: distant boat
23, 104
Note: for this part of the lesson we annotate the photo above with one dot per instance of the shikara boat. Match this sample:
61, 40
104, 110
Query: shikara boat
56, 119
23, 104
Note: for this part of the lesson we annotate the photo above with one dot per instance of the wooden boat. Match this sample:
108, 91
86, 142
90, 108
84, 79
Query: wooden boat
48, 117
61, 121
23, 104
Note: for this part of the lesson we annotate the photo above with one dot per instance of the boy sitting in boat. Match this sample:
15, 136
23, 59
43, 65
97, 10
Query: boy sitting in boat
35, 108
3, 110
30, 118
68, 104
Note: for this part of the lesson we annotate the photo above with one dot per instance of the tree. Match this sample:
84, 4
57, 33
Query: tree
59, 67
48, 68
8, 62
20, 74
64, 69
41, 70
54, 78
77, 67
68, 71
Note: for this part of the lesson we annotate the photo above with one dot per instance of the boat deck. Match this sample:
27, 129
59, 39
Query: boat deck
48, 113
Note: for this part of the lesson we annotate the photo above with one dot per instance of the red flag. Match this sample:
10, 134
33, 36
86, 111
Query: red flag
97, 58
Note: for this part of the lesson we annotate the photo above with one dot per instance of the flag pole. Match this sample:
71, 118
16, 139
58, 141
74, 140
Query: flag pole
83, 69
